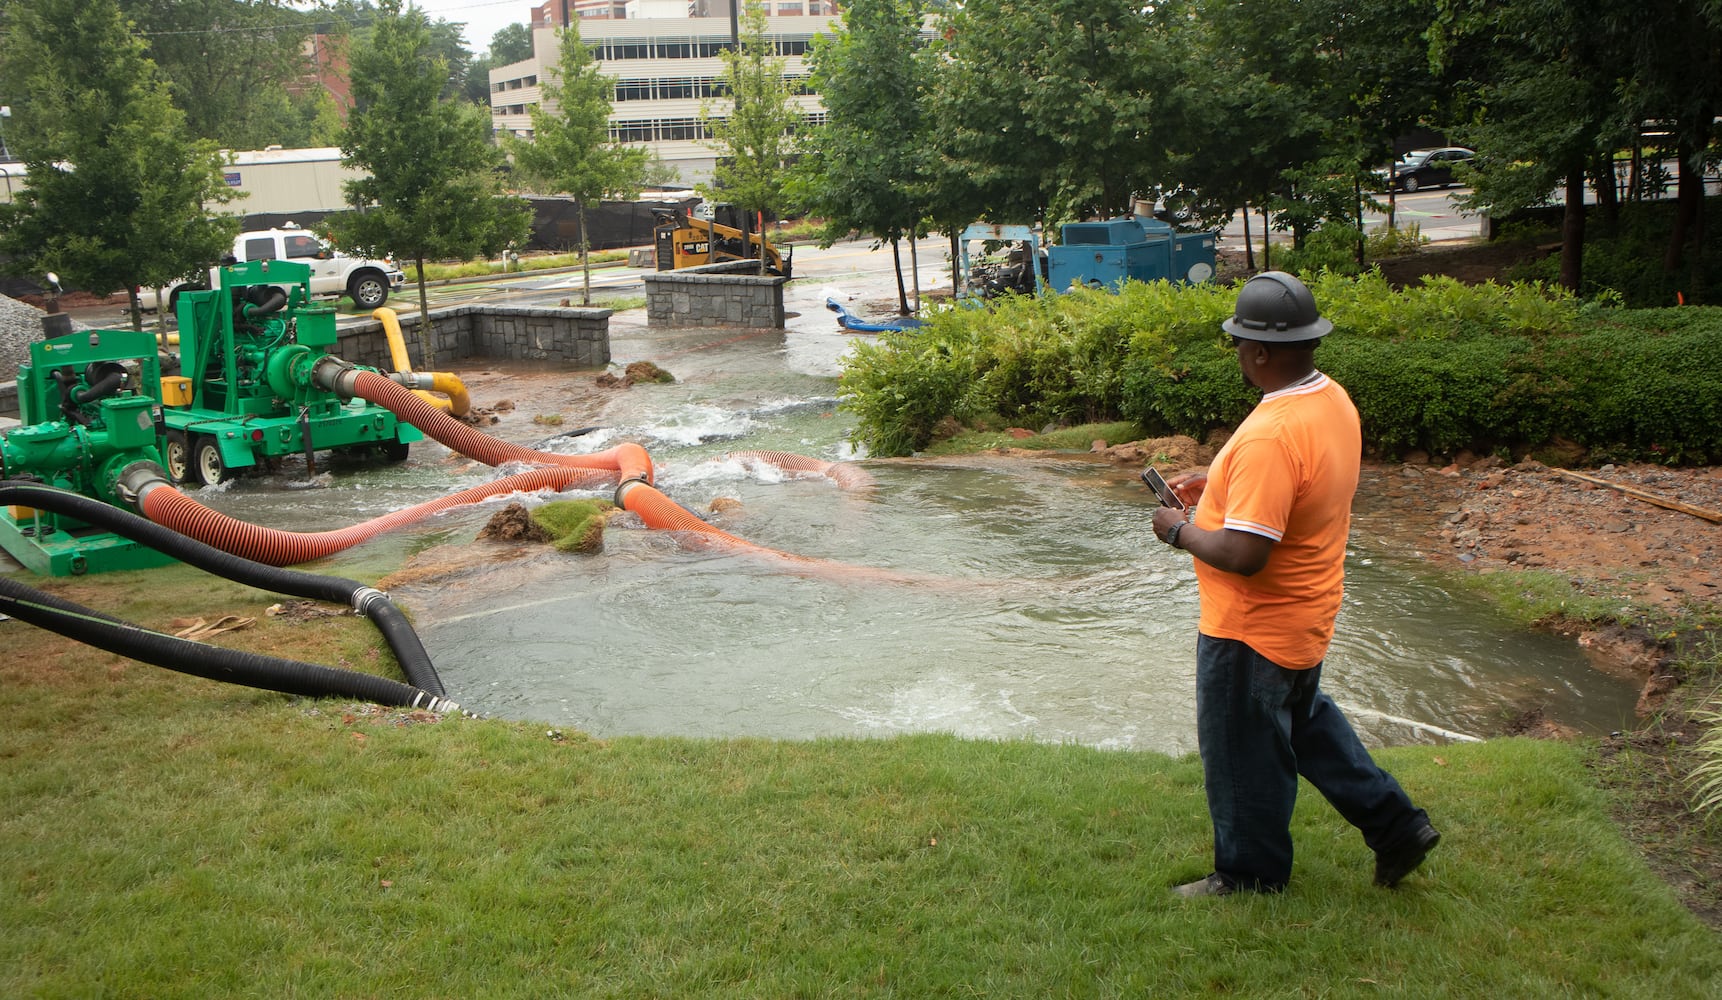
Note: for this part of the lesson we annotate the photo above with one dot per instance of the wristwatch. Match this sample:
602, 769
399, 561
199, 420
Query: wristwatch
1172, 535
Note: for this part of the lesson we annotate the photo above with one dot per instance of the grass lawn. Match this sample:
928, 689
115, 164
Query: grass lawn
165, 836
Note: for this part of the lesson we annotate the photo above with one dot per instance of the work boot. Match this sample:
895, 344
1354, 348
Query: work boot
1391, 866
1213, 885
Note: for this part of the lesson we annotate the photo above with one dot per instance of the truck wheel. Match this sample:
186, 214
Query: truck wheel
206, 459
177, 453
368, 289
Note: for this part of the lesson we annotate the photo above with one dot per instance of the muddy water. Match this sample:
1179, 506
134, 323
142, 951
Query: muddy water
982, 596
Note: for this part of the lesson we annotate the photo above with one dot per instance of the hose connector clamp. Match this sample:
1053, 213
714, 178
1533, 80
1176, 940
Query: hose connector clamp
627, 484
364, 597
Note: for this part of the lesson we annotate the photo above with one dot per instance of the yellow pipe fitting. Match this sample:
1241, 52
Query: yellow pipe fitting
458, 402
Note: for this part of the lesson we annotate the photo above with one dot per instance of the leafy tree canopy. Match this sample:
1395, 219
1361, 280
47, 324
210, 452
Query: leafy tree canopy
118, 195
434, 188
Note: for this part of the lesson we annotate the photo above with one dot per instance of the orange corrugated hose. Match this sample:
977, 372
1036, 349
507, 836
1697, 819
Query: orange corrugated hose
173, 509
629, 459
844, 474
659, 511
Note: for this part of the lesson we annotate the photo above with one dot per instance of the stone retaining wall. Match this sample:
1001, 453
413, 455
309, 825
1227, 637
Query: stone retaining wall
571, 336
575, 337
728, 294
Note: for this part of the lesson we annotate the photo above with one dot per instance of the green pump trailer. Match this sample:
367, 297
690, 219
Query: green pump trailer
87, 404
245, 395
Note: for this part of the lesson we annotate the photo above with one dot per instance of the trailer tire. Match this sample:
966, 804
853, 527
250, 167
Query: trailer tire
210, 467
395, 452
369, 289
176, 453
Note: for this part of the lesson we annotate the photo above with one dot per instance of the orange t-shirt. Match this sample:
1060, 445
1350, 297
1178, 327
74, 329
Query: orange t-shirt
1288, 473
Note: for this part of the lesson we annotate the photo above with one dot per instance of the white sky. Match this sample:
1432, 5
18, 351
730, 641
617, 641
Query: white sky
483, 18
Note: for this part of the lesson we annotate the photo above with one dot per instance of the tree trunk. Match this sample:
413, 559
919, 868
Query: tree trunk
1608, 193
1357, 200
1688, 209
1267, 242
915, 268
1572, 232
958, 280
160, 322
585, 256
136, 307
425, 353
897, 263
1249, 247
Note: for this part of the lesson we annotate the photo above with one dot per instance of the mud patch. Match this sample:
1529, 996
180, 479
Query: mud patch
513, 523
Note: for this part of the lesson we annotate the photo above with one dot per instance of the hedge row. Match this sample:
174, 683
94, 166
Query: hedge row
1509, 369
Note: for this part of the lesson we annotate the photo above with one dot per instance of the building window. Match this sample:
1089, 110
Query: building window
680, 128
633, 90
674, 90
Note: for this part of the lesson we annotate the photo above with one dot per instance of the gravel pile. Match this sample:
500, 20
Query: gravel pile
20, 326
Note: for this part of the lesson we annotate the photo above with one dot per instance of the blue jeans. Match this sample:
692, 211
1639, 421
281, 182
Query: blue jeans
1259, 726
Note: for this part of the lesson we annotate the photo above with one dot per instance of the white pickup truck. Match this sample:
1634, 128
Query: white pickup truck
367, 281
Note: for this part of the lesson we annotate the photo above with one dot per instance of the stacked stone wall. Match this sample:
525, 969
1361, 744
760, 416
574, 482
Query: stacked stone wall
728, 294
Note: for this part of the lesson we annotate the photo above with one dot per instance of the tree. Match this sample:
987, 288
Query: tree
1047, 105
118, 195
1543, 78
756, 140
867, 168
434, 188
229, 62
570, 152
512, 43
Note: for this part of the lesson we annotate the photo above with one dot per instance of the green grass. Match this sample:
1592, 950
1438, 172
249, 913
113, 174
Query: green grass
166, 836
1079, 438
477, 268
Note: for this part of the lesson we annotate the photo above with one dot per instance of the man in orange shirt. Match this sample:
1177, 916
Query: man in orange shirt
1268, 535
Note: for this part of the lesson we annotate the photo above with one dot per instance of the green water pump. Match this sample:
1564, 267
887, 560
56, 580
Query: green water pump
89, 410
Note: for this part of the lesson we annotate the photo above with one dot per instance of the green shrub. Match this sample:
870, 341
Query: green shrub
1394, 241
1441, 367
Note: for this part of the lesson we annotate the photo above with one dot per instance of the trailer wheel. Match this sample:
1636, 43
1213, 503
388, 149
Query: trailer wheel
206, 458
177, 453
395, 452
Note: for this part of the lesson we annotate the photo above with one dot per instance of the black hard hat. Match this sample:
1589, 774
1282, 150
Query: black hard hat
1276, 308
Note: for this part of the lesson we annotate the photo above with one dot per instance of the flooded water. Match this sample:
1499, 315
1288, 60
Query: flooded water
982, 596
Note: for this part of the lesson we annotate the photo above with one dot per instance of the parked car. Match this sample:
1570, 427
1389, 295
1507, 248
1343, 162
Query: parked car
368, 282
1423, 168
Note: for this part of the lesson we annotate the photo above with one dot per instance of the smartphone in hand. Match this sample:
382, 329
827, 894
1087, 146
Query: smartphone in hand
1157, 483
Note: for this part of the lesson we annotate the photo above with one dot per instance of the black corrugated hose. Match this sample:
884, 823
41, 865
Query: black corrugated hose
217, 663
372, 603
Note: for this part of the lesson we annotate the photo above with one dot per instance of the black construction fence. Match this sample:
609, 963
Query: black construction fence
555, 227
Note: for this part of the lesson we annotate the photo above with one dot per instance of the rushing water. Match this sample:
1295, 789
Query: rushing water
984, 596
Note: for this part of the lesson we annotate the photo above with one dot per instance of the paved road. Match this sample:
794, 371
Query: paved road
858, 260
